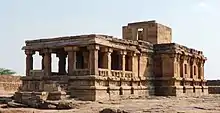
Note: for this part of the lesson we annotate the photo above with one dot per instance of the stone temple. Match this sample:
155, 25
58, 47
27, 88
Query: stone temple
99, 67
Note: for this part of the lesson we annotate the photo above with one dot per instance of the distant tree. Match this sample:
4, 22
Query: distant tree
4, 71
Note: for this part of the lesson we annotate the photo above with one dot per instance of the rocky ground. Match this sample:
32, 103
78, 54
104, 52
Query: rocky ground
210, 104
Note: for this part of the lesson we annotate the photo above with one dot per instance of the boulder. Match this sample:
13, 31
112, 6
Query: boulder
112, 110
65, 105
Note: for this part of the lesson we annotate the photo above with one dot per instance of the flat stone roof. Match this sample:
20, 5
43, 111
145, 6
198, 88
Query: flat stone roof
177, 48
83, 40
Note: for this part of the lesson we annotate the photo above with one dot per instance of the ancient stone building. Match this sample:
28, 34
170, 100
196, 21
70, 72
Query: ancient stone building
145, 62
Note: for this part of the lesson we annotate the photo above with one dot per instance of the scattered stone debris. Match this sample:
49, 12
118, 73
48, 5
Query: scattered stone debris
112, 110
65, 105
40, 104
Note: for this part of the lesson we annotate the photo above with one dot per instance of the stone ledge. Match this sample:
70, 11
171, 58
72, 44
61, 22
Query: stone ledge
197, 87
125, 87
214, 86
87, 77
206, 87
180, 79
88, 87
111, 87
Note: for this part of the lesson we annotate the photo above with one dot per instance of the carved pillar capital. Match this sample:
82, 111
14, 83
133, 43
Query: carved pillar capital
178, 57
188, 59
93, 47
198, 62
202, 63
134, 54
29, 52
106, 50
182, 57
71, 48
123, 52
175, 57
191, 60
46, 51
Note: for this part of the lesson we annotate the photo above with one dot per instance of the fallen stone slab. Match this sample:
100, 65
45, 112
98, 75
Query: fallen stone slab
13, 104
5, 100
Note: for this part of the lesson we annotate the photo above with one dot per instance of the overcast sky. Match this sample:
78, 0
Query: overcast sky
195, 23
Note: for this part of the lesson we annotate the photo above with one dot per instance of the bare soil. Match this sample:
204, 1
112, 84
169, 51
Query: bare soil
207, 104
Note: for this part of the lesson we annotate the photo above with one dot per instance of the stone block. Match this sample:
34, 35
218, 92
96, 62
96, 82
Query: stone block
83, 94
56, 95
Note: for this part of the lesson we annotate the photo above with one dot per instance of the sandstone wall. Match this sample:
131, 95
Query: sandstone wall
214, 86
9, 84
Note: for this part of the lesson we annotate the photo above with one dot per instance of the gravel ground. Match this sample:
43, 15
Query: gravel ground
208, 104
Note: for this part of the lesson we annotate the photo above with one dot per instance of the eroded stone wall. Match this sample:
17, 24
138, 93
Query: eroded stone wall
164, 34
9, 84
213, 86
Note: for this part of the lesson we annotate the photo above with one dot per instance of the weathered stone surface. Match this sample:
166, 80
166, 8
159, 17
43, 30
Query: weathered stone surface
9, 84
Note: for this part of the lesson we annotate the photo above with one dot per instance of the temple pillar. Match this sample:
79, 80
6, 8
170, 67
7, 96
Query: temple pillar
134, 66
29, 61
93, 59
191, 68
182, 70
86, 59
139, 64
71, 59
176, 65
71, 62
202, 73
201, 67
47, 62
42, 61
109, 61
62, 63
123, 53
106, 62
